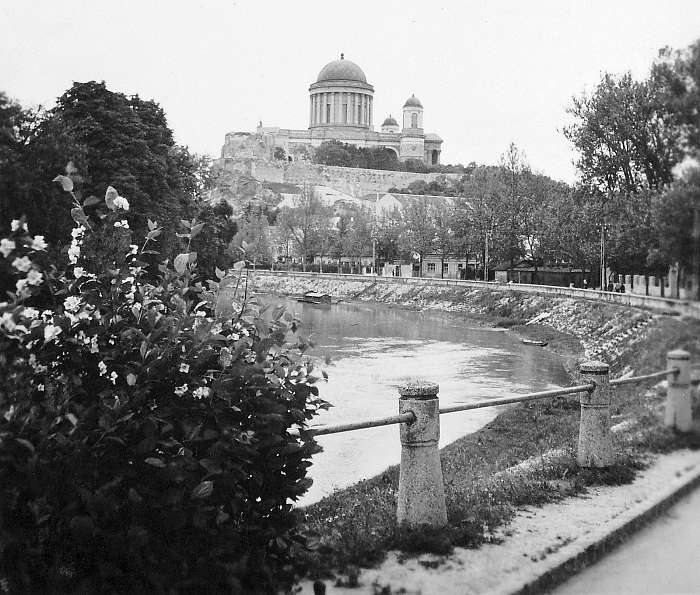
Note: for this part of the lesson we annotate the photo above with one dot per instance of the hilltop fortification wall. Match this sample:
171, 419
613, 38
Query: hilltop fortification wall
250, 156
353, 181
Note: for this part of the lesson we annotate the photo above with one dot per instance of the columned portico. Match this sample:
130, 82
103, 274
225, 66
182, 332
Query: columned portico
340, 97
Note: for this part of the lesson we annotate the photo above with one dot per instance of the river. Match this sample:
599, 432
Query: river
374, 348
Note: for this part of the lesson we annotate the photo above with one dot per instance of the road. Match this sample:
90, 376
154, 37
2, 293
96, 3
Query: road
662, 558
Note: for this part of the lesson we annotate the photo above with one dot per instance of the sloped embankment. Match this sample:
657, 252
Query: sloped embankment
605, 330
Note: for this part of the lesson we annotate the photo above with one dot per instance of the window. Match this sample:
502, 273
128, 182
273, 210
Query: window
445, 267
431, 267
414, 120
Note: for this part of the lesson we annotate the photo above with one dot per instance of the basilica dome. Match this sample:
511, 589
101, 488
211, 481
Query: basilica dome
341, 70
413, 101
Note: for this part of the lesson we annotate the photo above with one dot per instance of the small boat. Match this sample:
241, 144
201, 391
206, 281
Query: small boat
313, 297
534, 342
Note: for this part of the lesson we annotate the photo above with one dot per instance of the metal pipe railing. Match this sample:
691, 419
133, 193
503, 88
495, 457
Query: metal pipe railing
519, 399
557, 392
635, 379
407, 418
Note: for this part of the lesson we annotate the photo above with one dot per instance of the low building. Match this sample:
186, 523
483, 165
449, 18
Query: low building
526, 272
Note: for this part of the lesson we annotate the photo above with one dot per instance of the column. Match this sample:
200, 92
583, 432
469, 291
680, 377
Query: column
421, 494
370, 111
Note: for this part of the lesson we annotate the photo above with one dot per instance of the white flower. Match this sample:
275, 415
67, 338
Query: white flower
38, 243
184, 368
181, 390
21, 285
102, 368
121, 203
133, 249
113, 377
34, 277
30, 313
72, 303
78, 272
17, 224
77, 232
40, 388
73, 253
123, 223
93, 345
51, 332
201, 393
6, 246
130, 379
7, 321
22, 264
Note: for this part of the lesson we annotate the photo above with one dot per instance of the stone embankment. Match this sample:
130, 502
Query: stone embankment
604, 329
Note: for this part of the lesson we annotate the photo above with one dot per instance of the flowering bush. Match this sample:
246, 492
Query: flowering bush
146, 443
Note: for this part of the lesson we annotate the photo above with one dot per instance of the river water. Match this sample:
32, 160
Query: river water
374, 348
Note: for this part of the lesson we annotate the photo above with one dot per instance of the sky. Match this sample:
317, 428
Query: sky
488, 73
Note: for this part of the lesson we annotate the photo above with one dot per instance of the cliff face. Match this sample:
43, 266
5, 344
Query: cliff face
605, 330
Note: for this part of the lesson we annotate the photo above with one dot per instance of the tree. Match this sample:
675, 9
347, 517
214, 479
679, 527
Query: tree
212, 243
306, 222
128, 144
443, 218
419, 230
254, 239
627, 134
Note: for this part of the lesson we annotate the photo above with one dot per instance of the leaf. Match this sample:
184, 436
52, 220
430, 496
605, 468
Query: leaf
196, 229
238, 266
155, 462
25, 443
219, 273
152, 225
180, 262
91, 200
154, 233
203, 490
192, 257
65, 182
185, 223
110, 196
79, 216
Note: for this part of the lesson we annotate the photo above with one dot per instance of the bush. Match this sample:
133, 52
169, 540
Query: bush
146, 443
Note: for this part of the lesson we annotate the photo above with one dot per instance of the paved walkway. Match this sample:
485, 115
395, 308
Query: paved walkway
543, 544
662, 558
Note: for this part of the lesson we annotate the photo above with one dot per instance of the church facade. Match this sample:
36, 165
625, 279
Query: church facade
341, 109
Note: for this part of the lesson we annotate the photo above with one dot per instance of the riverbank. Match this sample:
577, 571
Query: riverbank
604, 330
524, 458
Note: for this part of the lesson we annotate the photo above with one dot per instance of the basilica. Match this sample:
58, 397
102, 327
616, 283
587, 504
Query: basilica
341, 109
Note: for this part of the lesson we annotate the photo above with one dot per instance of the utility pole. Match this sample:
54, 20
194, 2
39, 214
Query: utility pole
696, 251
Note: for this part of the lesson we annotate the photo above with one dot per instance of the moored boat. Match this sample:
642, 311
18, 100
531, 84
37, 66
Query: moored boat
314, 297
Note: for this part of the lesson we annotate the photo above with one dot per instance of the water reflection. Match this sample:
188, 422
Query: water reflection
374, 348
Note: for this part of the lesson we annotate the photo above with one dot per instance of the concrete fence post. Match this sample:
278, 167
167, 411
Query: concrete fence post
594, 437
421, 498
678, 408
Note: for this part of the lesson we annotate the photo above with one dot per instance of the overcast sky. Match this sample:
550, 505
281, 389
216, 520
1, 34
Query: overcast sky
487, 72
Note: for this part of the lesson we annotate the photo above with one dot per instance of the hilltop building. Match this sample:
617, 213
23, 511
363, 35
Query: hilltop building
341, 109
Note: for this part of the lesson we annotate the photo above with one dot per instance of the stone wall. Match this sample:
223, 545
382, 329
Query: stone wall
353, 181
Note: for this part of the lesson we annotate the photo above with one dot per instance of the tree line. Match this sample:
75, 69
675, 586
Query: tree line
109, 139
